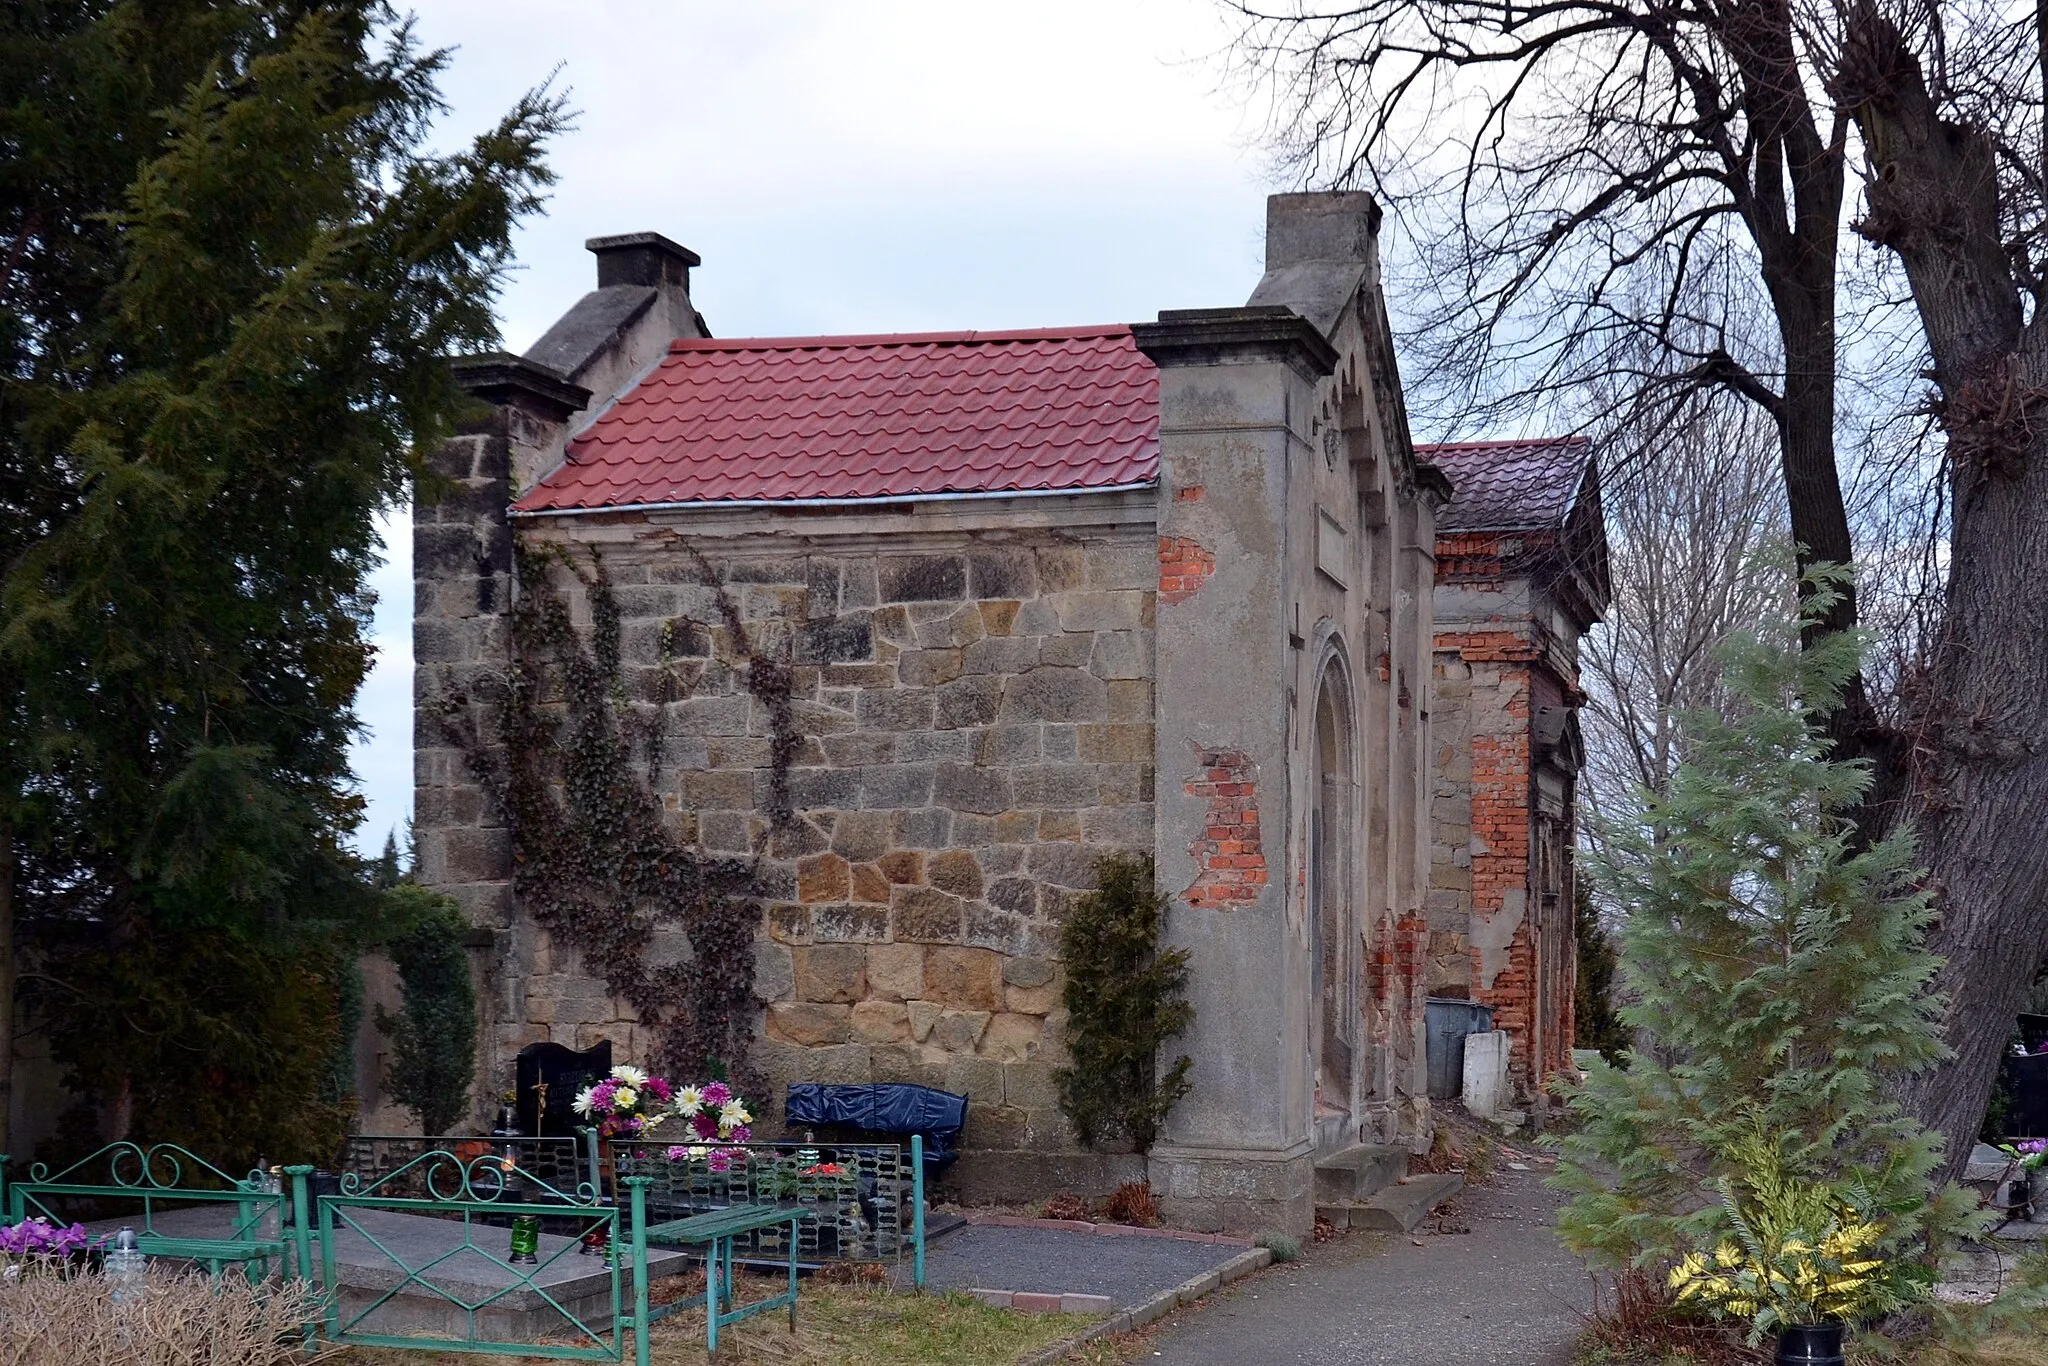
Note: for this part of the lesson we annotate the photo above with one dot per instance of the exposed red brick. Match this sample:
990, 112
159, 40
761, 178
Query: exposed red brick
1184, 566
1191, 494
1230, 857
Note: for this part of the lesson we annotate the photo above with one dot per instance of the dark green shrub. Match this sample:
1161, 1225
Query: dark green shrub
433, 1035
1125, 999
1595, 1023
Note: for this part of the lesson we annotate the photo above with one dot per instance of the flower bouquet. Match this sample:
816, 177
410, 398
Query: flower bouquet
39, 1243
716, 1117
625, 1104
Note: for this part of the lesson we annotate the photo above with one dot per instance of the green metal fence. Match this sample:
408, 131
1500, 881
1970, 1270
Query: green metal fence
413, 1248
468, 1289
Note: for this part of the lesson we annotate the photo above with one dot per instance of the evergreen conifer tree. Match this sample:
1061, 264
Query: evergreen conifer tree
230, 268
1777, 965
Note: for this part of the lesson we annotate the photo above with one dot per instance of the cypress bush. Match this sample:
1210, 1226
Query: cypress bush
433, 1035
1125, 998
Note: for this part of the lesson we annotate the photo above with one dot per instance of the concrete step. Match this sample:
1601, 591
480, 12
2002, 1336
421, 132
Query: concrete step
1359, 1171
1395, 1209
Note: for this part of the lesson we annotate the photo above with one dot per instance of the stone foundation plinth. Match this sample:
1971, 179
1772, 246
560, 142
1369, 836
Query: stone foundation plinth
1218, 1190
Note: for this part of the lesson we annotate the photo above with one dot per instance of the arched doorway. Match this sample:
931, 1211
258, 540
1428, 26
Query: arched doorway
1332, 899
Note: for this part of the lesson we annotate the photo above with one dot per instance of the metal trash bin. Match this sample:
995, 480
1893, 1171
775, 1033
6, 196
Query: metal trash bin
1446, 1022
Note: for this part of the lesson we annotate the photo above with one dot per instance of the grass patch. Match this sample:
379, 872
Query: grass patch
837, 1325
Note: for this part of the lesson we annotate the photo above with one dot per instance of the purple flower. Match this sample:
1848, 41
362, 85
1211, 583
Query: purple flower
40, 1238
742, 1134
717, 1093
2034, 1145
659, 1089
705, 1123
677, 1153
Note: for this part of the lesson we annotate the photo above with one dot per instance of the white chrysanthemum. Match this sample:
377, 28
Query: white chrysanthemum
631, 1076
584, 1104
689, 1101
733, 1113
625, 1098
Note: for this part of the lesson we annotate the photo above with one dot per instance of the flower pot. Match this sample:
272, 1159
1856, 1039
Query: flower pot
1818, 1344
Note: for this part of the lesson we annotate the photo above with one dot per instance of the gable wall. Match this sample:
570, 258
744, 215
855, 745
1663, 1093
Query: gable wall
974, 698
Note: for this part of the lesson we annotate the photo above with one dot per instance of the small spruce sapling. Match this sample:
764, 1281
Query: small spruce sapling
1125, 999
1778, 966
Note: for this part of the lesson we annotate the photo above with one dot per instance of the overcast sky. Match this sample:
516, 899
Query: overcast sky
865, 167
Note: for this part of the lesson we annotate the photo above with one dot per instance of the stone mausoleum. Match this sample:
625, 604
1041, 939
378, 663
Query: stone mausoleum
1171, 587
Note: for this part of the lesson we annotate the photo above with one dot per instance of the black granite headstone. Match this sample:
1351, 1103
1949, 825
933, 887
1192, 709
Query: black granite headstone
564, 1072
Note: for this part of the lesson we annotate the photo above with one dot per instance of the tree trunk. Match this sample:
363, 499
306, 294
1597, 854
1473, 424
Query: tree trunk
1977, 781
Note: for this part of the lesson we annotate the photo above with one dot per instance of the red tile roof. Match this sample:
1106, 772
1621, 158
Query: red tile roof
1510, 485
870, 417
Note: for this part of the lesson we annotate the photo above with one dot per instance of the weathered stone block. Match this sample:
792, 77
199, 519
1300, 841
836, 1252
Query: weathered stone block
998, 617
1001, 655
861, 836
925, 915
1001, 574
929, 828
1129, 743
1011, 1037
955, 871
928, 668
823, 877
996, 1126
1056, 785
1126, 827
1122, 655
1049, 694
831, 973
1015, 895
896, 971
1059, 825
823, 789
921, 578
809, 1024
904, 867
1100, 611
1063, 865
965, 978
849, 923
774, 971
1030, 1086
1028, 972
900, 710
896, 785
1006, 745
907, 1062
924, 1017
1068, 650
967, 788
881, 1022
968, 702
960, 1031
869, 884
952, 629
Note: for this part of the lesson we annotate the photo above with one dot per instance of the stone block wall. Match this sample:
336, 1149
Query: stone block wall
975, 717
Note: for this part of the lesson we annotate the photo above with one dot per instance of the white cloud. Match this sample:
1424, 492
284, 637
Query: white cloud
856, 168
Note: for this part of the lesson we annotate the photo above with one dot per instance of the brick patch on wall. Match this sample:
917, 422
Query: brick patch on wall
1230, 855
1184, 566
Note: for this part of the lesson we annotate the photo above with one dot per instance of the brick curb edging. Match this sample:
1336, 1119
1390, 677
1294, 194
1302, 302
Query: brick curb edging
1107, 1230
1158, 1307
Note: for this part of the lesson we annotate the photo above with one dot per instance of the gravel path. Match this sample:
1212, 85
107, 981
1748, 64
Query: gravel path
1505, 1294
1054, 1261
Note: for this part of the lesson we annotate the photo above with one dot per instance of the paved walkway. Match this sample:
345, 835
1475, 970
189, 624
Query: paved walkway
1505, 1294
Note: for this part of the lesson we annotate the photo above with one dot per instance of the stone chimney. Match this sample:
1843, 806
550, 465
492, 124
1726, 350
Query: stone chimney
1319, 249
619, 331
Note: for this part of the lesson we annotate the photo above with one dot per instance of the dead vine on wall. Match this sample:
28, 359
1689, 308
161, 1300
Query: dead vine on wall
594, 863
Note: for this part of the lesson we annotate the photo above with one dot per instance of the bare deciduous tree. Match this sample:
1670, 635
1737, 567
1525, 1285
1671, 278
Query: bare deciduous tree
1697, 551
1585, 155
